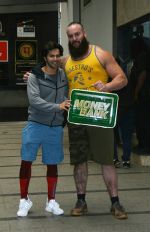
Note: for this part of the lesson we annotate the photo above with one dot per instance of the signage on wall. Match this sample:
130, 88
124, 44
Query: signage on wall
26, 31
25, 56
3, 51
26, 50
26, 28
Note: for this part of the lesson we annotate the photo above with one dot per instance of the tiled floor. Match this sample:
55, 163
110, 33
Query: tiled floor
134, 191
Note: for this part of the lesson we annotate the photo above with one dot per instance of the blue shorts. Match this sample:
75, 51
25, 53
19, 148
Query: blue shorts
50, 139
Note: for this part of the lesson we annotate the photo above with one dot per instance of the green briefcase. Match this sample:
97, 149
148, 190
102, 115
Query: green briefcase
93, 108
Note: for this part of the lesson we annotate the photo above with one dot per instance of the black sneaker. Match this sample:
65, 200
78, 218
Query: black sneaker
117, 163
80, 208
126, 164
118, 211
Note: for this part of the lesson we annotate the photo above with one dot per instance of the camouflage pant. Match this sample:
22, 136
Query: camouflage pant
90, 143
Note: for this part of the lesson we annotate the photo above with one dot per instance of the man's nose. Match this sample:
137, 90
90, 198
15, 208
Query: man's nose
56, 57
74, 37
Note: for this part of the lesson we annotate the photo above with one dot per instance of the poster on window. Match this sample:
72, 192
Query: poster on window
25, 57
26, 31
3, 51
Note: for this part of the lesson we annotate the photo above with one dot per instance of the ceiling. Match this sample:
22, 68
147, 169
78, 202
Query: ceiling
27, 2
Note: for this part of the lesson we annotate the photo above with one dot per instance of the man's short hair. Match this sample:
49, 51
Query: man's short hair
50, 46
75, 22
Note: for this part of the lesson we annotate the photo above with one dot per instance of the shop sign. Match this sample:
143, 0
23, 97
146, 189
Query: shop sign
3, 51
26, 31
25, 56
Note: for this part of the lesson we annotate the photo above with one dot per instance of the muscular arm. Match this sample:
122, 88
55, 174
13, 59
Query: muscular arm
114, 71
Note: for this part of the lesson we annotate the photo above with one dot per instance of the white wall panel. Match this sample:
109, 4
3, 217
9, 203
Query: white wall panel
97, 20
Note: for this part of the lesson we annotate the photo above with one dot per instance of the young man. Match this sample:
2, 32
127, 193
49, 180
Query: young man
90, 67
47, 90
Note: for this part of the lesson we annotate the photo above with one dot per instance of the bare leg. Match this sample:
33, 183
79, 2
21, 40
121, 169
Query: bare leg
110, 179
80, 177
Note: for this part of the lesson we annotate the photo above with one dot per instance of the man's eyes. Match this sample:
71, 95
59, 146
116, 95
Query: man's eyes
71, 36
57, 56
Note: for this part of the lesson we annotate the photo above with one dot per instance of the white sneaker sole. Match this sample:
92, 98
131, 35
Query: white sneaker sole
53, 212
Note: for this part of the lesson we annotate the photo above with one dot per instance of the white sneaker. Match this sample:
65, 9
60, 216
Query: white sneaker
24, 207
53, 207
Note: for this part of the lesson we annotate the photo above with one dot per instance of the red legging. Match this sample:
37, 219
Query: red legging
25, 176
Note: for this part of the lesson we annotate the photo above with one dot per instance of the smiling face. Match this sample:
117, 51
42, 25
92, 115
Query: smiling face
78, 44
53, 58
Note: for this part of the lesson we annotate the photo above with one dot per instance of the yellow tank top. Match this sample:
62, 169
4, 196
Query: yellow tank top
83, 73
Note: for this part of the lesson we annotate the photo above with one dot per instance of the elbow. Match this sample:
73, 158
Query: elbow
124, 81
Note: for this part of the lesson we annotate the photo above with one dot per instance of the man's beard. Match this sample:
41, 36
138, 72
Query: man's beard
79, 51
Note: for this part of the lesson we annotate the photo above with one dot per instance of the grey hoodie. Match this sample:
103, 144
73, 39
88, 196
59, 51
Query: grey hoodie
45, 93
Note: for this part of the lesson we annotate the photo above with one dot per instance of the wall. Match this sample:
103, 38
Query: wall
66, 16
97, 20
99, 30
128, 10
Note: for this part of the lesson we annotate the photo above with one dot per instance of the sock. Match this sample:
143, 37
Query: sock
114, 199
24, 184
81, 197
24, 176
52, 177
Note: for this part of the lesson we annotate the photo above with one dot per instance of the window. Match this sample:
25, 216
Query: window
86, 2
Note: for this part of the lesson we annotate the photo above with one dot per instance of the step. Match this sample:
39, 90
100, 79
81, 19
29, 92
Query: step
143, 160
